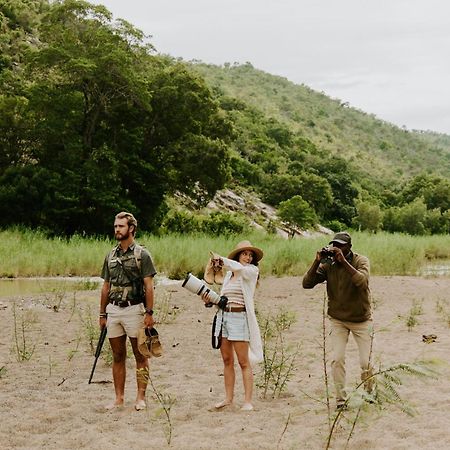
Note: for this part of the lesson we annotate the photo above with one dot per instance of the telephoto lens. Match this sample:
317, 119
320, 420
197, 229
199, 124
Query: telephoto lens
196, 286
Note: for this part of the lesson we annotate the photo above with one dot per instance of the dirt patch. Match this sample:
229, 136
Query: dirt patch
46, 401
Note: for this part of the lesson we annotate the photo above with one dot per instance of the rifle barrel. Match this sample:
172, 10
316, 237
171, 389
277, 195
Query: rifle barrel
98, 350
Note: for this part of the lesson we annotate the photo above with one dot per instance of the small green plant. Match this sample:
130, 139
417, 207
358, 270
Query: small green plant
2, 371
442, 310
74, 351
165, 400
385, 393
411, 321
73, 306
91, 329
279, 358
51, 365
376, 302
325, 357
54, 298
411, 318
23, 326
86, 285
417, 307
165, 311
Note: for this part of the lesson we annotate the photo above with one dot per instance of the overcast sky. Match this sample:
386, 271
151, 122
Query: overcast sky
386, 57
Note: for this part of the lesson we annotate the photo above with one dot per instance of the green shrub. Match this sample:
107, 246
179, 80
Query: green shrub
224, 223
180, 222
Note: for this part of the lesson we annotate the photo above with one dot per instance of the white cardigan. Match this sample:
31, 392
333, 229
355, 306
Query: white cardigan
248, 276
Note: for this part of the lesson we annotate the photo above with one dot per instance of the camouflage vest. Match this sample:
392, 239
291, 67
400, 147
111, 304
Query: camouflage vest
136, 290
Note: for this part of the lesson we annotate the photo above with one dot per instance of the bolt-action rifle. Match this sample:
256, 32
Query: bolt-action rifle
98, 350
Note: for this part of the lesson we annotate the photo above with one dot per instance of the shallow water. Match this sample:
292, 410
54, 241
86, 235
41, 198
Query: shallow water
10, 287
439, 268
25, 286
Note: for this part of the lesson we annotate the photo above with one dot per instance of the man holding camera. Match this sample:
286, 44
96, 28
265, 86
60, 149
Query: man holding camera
126, 304
349, 308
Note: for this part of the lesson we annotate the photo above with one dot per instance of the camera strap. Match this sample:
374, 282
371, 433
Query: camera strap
216, 340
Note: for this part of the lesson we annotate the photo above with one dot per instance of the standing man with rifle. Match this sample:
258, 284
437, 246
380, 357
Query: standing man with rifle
126, 304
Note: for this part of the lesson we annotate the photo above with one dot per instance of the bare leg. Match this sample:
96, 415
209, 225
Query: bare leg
141, 375
226, 349
118, 347
241, 349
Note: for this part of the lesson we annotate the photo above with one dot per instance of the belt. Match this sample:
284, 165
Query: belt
234, 309
125, 303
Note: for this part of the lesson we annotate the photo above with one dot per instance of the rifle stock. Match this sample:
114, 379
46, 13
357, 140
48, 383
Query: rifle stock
98, 350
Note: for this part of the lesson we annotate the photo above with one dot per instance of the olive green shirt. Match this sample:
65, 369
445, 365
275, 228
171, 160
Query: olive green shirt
115, 262
348, 296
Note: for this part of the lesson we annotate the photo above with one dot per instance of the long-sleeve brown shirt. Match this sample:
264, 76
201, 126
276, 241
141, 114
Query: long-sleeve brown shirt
348, 295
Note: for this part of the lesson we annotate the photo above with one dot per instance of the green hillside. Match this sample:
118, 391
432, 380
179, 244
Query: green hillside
93, 120
378, 148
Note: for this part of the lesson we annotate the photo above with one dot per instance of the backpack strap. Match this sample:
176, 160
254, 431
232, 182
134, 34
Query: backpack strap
111, 254
138, 255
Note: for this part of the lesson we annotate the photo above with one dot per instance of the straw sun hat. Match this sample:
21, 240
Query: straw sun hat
246, 245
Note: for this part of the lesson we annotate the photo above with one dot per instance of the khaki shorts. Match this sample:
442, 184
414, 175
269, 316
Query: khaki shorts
126, 320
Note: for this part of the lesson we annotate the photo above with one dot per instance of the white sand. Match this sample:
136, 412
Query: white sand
46, 402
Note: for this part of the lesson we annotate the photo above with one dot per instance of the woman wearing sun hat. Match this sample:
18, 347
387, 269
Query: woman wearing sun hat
240, 330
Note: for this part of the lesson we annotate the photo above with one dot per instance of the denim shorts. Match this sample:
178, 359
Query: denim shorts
235, 326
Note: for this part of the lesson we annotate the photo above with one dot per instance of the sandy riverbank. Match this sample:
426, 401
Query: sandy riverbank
46, 402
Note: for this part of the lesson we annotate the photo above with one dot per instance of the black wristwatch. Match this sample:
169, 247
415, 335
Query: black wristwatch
149, 311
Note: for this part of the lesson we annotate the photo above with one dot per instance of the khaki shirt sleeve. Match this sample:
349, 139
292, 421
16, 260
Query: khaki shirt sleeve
361, 278
105, 275
147, 266
313, 277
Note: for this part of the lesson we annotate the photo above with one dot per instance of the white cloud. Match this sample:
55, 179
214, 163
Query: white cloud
375, 54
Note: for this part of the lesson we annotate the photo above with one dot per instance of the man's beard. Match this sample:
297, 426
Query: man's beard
122, 237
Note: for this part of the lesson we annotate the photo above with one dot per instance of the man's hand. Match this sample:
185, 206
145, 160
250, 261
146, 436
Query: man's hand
148, 321
338, 255
318, 255
102, 322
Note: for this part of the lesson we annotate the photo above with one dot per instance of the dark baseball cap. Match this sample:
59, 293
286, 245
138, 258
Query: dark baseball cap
342, 238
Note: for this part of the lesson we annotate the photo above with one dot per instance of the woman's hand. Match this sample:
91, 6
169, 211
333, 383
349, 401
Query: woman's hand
216, 261
205, 298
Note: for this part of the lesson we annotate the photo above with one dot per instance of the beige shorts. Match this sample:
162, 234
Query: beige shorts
124, 320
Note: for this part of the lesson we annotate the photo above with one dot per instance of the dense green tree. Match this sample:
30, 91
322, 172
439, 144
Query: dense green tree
110, 125
435, 191
369, 216
410, 218
317, 191
297, 214
340, 177
280, 187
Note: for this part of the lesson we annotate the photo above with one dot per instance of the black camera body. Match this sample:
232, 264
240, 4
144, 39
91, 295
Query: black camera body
326, 255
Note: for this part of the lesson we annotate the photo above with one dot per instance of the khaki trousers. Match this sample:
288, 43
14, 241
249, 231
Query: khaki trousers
363, 335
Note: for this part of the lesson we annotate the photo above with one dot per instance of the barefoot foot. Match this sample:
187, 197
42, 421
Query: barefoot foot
140, 405
247, 407
222, 404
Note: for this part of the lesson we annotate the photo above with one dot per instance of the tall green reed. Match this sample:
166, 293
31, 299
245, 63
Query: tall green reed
29, 253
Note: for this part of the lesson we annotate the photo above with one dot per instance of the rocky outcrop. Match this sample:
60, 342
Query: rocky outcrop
260, 214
